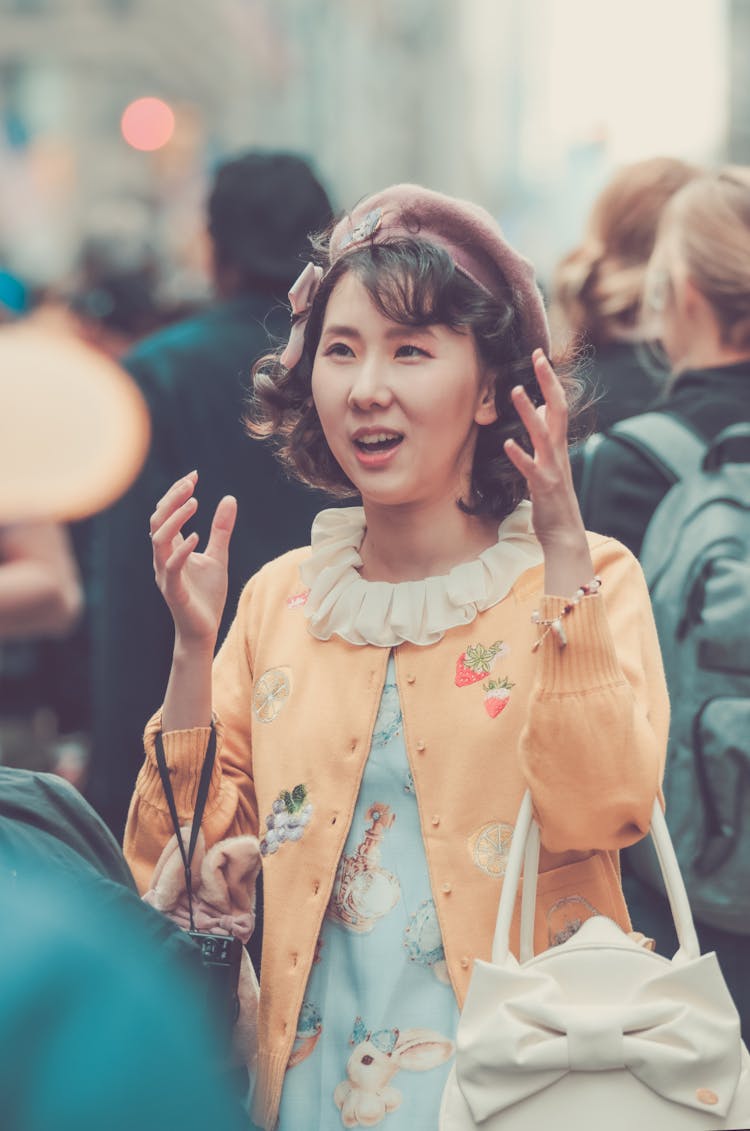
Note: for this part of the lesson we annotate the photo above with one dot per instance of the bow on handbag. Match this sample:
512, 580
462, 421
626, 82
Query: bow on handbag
596, 1003
673, 1029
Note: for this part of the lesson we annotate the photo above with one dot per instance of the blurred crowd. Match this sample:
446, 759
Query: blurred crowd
74, 687
651, 311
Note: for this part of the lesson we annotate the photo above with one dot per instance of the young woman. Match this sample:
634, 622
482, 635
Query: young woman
385, 696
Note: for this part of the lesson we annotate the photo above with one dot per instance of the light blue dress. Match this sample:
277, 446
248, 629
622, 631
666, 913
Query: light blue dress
375, 1035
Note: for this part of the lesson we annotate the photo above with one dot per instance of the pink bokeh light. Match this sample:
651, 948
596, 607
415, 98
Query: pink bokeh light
147, 123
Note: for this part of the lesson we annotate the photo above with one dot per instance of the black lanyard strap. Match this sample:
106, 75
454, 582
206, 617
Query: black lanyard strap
200, 804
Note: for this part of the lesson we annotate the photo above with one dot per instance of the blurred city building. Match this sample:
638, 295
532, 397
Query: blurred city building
523, 104
739, 89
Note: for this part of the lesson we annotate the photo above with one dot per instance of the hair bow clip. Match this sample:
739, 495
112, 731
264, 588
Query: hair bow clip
301, 298
364, 230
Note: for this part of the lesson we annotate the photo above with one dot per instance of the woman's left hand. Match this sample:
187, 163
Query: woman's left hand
556, 515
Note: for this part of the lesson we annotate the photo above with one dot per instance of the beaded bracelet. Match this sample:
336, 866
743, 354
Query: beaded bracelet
555, 624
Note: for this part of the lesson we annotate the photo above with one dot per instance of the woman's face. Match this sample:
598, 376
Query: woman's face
400, 406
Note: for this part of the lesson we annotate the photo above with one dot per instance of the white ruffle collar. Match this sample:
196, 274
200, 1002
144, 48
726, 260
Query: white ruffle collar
341, 603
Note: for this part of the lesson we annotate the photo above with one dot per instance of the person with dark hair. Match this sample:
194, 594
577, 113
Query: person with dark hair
194, 376
385, 696
115, 297
260, 210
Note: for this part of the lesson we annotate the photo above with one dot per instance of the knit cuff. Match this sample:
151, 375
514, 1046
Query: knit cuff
185, 752
589, 659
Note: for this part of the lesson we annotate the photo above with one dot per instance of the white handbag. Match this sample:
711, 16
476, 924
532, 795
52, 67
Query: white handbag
598, 1032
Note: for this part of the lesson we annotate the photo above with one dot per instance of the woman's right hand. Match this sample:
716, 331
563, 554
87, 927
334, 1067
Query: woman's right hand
193, 585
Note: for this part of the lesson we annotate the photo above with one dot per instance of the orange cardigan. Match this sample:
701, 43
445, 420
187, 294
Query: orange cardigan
584, 727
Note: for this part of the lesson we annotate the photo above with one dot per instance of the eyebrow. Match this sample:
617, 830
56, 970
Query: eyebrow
398, 331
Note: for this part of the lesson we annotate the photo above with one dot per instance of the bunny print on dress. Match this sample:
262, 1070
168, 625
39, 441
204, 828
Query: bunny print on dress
367, 1096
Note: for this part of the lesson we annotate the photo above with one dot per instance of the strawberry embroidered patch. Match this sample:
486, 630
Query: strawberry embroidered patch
297, 599
497, 695
477, 662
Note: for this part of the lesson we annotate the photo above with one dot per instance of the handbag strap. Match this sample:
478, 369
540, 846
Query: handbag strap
200, 805
524, 856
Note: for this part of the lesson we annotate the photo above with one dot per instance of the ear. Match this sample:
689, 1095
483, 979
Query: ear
486, 412
694, 302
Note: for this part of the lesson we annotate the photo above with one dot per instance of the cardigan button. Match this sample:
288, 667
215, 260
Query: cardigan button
411, 678
420, 746
465, 962
436, 820
446, 888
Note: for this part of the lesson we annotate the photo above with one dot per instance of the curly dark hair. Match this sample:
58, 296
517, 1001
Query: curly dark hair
415, 283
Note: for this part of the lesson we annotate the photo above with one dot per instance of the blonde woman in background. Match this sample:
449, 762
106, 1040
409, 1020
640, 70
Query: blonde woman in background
698, 292
597, 288
698, 302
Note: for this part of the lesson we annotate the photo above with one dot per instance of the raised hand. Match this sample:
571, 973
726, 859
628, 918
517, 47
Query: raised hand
556, 515
193, 584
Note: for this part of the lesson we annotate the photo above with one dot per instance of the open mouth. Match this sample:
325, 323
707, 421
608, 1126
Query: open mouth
378, 442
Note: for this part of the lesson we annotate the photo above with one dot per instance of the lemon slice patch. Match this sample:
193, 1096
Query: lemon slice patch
270, 693
489, 847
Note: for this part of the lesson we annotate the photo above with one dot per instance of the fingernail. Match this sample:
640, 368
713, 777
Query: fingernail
537, 354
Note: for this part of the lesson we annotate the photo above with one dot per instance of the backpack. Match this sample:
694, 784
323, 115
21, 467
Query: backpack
696, 560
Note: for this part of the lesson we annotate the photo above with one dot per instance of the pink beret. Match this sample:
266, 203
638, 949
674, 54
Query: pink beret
471, 236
